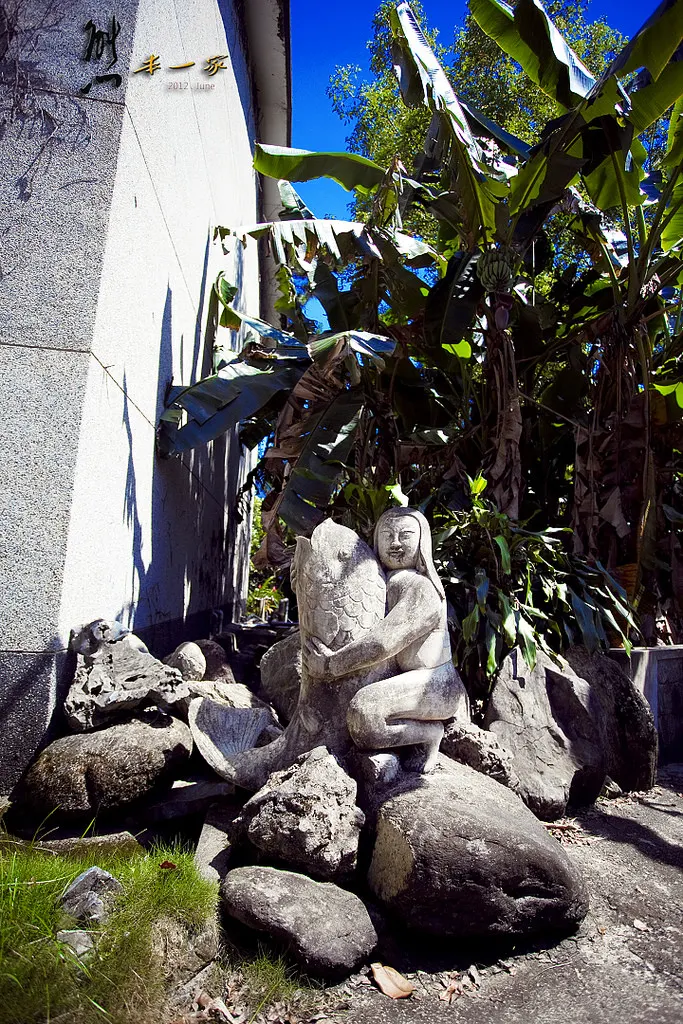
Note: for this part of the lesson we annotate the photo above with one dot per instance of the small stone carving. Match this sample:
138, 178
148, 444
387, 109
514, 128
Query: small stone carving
424, 689
280, 670
221, 732
377, 669
342, 593
306, 816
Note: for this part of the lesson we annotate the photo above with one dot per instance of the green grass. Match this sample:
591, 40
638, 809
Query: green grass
122, 980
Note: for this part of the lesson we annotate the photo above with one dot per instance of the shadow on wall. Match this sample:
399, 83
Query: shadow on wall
195, 536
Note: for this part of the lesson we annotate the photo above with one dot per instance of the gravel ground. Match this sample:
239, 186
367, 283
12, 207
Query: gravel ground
624, 965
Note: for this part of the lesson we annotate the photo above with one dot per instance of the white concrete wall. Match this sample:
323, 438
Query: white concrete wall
107, 265
184, 166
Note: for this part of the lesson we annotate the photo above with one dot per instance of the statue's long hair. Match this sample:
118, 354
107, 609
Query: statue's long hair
425, 562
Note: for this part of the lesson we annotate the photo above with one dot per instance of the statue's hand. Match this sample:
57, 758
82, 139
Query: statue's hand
316, 657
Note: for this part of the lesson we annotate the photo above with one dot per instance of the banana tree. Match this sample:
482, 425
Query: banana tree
487, 351
310, 393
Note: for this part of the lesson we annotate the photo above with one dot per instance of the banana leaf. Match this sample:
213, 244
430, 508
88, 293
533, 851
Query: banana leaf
614, 164
314, 478
219, 402
483, 127
334, 302
343, 239
452, 303
422, 80
654, 43
347, 169
293, 206
674, 142
371, 346
529, 36
652, 100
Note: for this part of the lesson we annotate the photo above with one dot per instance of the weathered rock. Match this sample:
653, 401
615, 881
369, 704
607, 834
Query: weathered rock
215, 847
92, 771
189, 660
545, 717
90, 846
91, 638
78, 940
89, 896
227, 692
458, 854
186, 796
221, 731
480, 749
116, 680
306, 816
327, 929
186, 953
217, 664
281, 675
623, 717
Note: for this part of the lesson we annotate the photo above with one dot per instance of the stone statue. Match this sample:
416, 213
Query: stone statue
377, 670
408, 707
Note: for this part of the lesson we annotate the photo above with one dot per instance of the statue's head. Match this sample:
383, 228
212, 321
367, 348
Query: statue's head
403, 540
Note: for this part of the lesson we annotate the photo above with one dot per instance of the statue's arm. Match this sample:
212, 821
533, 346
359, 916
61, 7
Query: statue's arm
416, 612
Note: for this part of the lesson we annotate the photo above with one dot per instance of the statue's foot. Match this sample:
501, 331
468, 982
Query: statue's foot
377, 768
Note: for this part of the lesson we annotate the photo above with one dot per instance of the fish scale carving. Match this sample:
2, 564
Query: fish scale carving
341, 590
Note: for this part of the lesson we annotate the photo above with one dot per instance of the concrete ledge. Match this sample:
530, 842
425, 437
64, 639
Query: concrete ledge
658, 673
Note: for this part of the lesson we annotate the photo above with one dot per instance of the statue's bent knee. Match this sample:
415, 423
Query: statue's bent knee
366, 725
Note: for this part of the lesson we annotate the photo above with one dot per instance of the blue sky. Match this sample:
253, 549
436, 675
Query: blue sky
326, 33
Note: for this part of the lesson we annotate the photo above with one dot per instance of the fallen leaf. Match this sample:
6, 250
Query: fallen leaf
168, 865
640, 925
453, 989
391, 983
213, 1007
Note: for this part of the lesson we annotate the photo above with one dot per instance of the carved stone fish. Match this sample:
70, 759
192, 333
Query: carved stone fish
341, 593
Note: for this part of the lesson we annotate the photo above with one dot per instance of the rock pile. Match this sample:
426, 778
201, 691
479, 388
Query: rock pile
457, 852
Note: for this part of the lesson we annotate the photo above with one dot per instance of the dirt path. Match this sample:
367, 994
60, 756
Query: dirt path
623, 966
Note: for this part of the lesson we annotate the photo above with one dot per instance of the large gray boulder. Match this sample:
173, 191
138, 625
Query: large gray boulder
458, 854
623, 717
117, 679
306, 816
545, 716
87, 772
327, 929
281, 675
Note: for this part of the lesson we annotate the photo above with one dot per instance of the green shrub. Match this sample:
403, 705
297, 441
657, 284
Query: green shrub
510, 586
